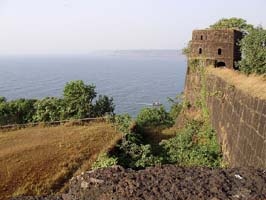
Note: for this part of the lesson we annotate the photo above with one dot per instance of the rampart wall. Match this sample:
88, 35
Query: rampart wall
238, 118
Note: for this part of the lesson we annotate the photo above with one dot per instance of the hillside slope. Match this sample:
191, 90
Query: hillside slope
40, 160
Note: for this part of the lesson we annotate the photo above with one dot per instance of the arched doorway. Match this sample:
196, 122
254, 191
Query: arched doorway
220, 64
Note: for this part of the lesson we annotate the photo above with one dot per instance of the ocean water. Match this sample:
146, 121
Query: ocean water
134, 79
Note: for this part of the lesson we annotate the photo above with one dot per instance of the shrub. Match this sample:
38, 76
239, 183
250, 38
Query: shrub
103, 161
76, 104
123, 122
176, 107
49, 109
154, 117
2, 99
195, 145
146, 157
133, 154
104, 105
18, 111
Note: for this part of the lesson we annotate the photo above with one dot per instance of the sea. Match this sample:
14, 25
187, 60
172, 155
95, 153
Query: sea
134, 78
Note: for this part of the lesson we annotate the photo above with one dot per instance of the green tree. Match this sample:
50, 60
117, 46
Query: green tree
104, 105
253, 48
49, 109
154, 117
78, 98
194, 145
2, 99
186, 50
18, 111
176, 106
232, 23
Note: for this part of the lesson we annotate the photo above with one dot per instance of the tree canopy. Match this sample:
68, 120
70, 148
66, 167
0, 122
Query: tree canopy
232, 23
78, 98
253, 48
78, 102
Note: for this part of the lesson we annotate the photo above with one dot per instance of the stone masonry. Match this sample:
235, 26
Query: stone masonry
216, 47
238, 118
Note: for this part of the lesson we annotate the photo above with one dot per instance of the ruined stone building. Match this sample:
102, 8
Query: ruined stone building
216, 47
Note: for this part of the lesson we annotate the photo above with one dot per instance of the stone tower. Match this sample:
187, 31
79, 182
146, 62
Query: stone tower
216, 47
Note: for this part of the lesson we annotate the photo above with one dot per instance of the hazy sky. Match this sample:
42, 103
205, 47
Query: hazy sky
79, 26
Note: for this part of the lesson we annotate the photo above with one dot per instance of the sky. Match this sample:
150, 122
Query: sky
82, 26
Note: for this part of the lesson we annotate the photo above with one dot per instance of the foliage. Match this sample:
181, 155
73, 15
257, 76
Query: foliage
176, 106
154, 117
195, 145
49, 109
133, 153
253, 48
77, 103
2, 99
145, 158
104, 105
187, 50
78, 99
103, 161
18, 111
123, 123
232, 23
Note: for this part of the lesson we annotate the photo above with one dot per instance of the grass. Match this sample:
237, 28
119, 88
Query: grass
254, 85
41, 160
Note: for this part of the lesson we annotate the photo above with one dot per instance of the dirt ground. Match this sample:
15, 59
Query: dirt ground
41, 160
166, 182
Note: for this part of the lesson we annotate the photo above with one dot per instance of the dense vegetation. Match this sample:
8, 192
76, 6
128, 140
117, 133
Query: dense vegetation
232, 23
253, 48
253, 44
78, 102
194, 145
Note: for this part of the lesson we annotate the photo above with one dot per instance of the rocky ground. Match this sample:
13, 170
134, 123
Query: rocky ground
165, 182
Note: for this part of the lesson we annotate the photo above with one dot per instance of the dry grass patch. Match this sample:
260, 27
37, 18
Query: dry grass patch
254, 85
41, 160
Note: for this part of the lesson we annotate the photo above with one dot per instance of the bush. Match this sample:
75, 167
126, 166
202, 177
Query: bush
2, 99
133, 154
49, 109
131, 151
103, 161
195, 145
19, 111
176, 107
154, 117
123, 122
76, 104
104, 105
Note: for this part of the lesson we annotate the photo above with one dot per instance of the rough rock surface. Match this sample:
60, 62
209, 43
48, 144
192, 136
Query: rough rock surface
165, 182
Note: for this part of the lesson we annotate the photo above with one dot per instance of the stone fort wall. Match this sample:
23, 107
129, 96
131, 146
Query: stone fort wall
238, 118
